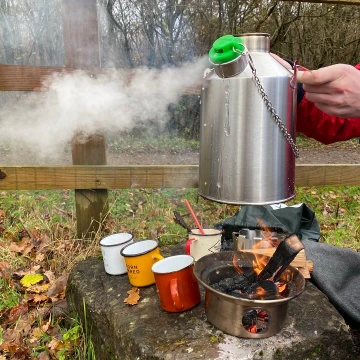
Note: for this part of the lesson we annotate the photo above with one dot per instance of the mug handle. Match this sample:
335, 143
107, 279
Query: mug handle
188, 245
174, 290
157, 257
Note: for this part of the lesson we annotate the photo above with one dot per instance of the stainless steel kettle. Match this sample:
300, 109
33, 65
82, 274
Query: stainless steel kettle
247, 128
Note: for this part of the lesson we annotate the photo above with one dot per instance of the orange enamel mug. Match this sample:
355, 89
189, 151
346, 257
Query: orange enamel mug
176, 284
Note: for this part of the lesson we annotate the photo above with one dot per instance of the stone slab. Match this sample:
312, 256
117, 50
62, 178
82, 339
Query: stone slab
313, 329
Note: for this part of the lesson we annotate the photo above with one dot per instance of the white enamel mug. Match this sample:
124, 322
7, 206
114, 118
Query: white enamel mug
200, 245
111, 246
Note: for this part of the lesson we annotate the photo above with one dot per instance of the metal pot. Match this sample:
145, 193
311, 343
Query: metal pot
231, 314
247, 130
247, 239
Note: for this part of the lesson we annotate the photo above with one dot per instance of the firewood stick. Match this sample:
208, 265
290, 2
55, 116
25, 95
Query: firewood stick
299, 261
305, 272
284, 254
310, 265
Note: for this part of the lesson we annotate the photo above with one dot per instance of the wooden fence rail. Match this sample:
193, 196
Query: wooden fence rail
149, 176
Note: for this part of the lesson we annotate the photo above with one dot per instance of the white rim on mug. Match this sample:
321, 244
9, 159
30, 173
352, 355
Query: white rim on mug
139, 247
208, 232
116, 239
172, 264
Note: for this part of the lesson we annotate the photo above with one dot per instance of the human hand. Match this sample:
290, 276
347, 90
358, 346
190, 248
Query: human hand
334, 89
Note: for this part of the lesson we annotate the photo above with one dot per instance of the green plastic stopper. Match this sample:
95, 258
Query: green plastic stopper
225, 49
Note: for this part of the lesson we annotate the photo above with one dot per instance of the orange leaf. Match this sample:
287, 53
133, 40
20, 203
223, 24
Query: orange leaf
134, 296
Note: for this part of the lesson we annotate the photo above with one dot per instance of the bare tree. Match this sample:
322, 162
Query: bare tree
31, 31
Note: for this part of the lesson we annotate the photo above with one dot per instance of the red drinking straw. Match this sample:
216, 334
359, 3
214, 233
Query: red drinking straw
194, 217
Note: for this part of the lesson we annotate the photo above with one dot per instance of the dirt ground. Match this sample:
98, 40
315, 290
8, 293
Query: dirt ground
341, 153
325, 155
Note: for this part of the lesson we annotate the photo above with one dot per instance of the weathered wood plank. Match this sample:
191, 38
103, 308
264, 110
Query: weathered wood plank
91, 205
149, 176
33, 78
26, 78
82, 50
324, 174
80, 33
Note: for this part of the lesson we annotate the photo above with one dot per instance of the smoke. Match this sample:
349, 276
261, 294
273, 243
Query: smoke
109, 102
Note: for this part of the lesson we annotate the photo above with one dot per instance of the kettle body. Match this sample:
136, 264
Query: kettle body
245, 158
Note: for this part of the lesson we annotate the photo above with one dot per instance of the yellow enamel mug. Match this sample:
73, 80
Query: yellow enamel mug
139, 257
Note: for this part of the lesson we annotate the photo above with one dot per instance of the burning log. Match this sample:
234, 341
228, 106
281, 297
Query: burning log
263, 284
284, 254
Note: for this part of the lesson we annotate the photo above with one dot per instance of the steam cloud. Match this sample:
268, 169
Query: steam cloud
77, 102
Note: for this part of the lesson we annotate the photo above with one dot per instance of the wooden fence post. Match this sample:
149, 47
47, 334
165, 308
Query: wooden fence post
91, 205
82, 51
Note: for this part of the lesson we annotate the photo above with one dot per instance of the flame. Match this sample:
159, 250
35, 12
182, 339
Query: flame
259, 323
268, 241
260, 292
281, 287
259, 263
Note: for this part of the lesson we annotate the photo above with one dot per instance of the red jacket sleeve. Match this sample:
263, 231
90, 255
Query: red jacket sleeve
322, 127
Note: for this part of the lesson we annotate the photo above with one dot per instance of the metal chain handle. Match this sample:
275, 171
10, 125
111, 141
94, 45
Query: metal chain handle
268, 104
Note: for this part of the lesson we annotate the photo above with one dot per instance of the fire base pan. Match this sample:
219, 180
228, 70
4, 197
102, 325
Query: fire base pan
313, 328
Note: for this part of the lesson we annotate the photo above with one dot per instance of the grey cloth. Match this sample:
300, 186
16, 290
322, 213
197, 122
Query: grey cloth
299, 220
337, 274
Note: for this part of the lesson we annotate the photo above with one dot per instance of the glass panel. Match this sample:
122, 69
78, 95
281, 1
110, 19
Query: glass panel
31, 33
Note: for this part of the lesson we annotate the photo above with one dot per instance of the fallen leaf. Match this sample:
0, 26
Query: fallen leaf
14, 313
110, 225
23, 247
31, 279
134, 296
39, 257
38, 289
58, 286
2, 216
24, 324
50, 276
40, 297
45, 326
55, 345
37, 333
5, 270
43, 356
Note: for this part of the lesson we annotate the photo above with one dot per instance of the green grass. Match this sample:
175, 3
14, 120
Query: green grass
148, 213
304, 142
337, 210
9, 297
